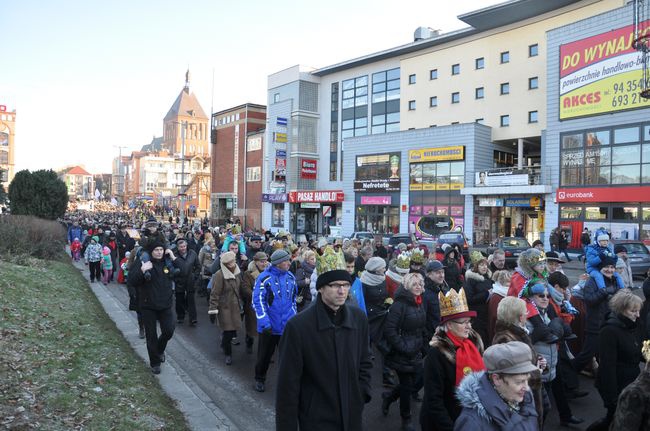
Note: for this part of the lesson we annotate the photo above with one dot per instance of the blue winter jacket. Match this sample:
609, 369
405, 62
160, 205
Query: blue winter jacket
593, 255
75, 232
274, 299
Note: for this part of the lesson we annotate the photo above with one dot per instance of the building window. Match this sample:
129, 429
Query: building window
532, 116
411, 105
433, 101
479, 121
533, 50
334, 130
505, 57
412, 79
278, 215
505, 120
455, 69
433, 74
455, 97
354, 104
479, 93
505, 88
276, 97
533, 83
480, 63
385, 101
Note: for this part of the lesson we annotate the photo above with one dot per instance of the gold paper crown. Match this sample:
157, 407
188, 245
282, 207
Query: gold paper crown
330, 260
452, 303
475, 257
235, 230
645, 350
403, 260
417, 256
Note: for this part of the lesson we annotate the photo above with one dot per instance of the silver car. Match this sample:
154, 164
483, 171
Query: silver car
638, 254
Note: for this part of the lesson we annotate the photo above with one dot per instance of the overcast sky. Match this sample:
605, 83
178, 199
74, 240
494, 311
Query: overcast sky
86, 76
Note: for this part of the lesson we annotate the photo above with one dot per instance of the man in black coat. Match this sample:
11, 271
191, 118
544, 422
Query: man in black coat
124, 242
190, 269
324, 370
155, 297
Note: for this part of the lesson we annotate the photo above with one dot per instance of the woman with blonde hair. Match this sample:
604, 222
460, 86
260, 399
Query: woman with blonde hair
499, 291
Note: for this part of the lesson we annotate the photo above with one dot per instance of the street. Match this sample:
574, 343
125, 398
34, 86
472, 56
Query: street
196, 351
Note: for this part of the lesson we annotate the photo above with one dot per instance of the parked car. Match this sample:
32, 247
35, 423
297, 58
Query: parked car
454, 238
362, 235
406, 238
638, 254
429, 243
512, 246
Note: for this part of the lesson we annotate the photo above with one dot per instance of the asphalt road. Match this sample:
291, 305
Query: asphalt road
196, 350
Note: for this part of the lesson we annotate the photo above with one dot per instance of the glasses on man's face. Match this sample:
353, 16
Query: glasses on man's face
542, 296
462, 322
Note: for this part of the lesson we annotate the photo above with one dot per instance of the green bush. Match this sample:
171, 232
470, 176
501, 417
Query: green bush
28, 236
39, 193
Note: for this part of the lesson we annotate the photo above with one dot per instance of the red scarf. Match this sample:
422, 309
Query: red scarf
418, 300
468, 358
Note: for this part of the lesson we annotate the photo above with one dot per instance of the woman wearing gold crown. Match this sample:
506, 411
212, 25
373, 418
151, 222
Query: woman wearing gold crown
455, 352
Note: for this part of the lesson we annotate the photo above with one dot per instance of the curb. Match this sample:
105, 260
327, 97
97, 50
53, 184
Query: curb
199, 411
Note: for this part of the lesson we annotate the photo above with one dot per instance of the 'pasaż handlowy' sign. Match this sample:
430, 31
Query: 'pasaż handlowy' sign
601, 74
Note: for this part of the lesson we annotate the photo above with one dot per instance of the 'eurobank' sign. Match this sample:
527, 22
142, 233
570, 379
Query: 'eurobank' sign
604, 194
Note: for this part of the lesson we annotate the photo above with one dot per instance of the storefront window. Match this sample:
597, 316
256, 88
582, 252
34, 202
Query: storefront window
645, 214
645, 174
597, 175
626, 135
415, 174
597, 138
571, 176
572, 141
626, 155
442, 178
429, 173
625, 174
595, 213
625, 213
567, 212
377, 219
278, 215
645, 153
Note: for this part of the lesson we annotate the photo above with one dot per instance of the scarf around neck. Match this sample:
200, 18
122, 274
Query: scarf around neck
370, 279
228, 274
468, 358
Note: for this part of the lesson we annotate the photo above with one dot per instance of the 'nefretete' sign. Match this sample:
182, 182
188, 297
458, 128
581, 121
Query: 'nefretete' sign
316, 196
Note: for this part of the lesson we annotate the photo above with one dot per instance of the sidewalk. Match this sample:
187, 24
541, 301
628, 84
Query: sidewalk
197, 407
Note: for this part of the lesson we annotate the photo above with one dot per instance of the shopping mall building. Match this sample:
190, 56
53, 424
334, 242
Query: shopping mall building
460, 129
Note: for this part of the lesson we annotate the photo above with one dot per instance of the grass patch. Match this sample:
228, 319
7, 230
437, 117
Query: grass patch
63, 363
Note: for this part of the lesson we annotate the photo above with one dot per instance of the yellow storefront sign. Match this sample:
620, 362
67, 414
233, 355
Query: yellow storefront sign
437, 154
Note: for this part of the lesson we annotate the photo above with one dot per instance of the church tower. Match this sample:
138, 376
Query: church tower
186, 112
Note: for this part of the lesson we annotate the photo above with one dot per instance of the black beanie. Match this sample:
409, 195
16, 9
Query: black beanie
607, 260
334, 275
156, 242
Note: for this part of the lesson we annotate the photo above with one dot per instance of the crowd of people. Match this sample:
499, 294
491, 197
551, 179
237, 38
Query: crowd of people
470, 344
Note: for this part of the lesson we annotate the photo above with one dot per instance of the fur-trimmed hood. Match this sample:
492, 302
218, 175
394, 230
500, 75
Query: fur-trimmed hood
471, 275
527, 259
476, 394
443, 344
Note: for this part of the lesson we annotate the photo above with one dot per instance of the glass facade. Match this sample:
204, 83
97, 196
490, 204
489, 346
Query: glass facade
385, 101
618, 156
354, 104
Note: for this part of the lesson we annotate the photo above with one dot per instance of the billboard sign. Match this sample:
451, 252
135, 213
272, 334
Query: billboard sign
308, 169
601, 74
437, 154
500, 178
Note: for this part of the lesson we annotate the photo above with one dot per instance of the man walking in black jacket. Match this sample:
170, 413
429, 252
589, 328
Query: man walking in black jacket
155, 299
187, 262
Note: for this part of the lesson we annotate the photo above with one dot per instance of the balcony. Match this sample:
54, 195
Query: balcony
528, 180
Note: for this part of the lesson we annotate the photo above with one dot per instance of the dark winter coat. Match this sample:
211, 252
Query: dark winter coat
432, 306
620, 354
453, 273
404, 330
304, 272
124, 243
505, 333
596, 301
483, 408
324, 371
633, 408
190, 271
440, 407
156, 293
477, 291
645, 311
374, 297
246, 293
